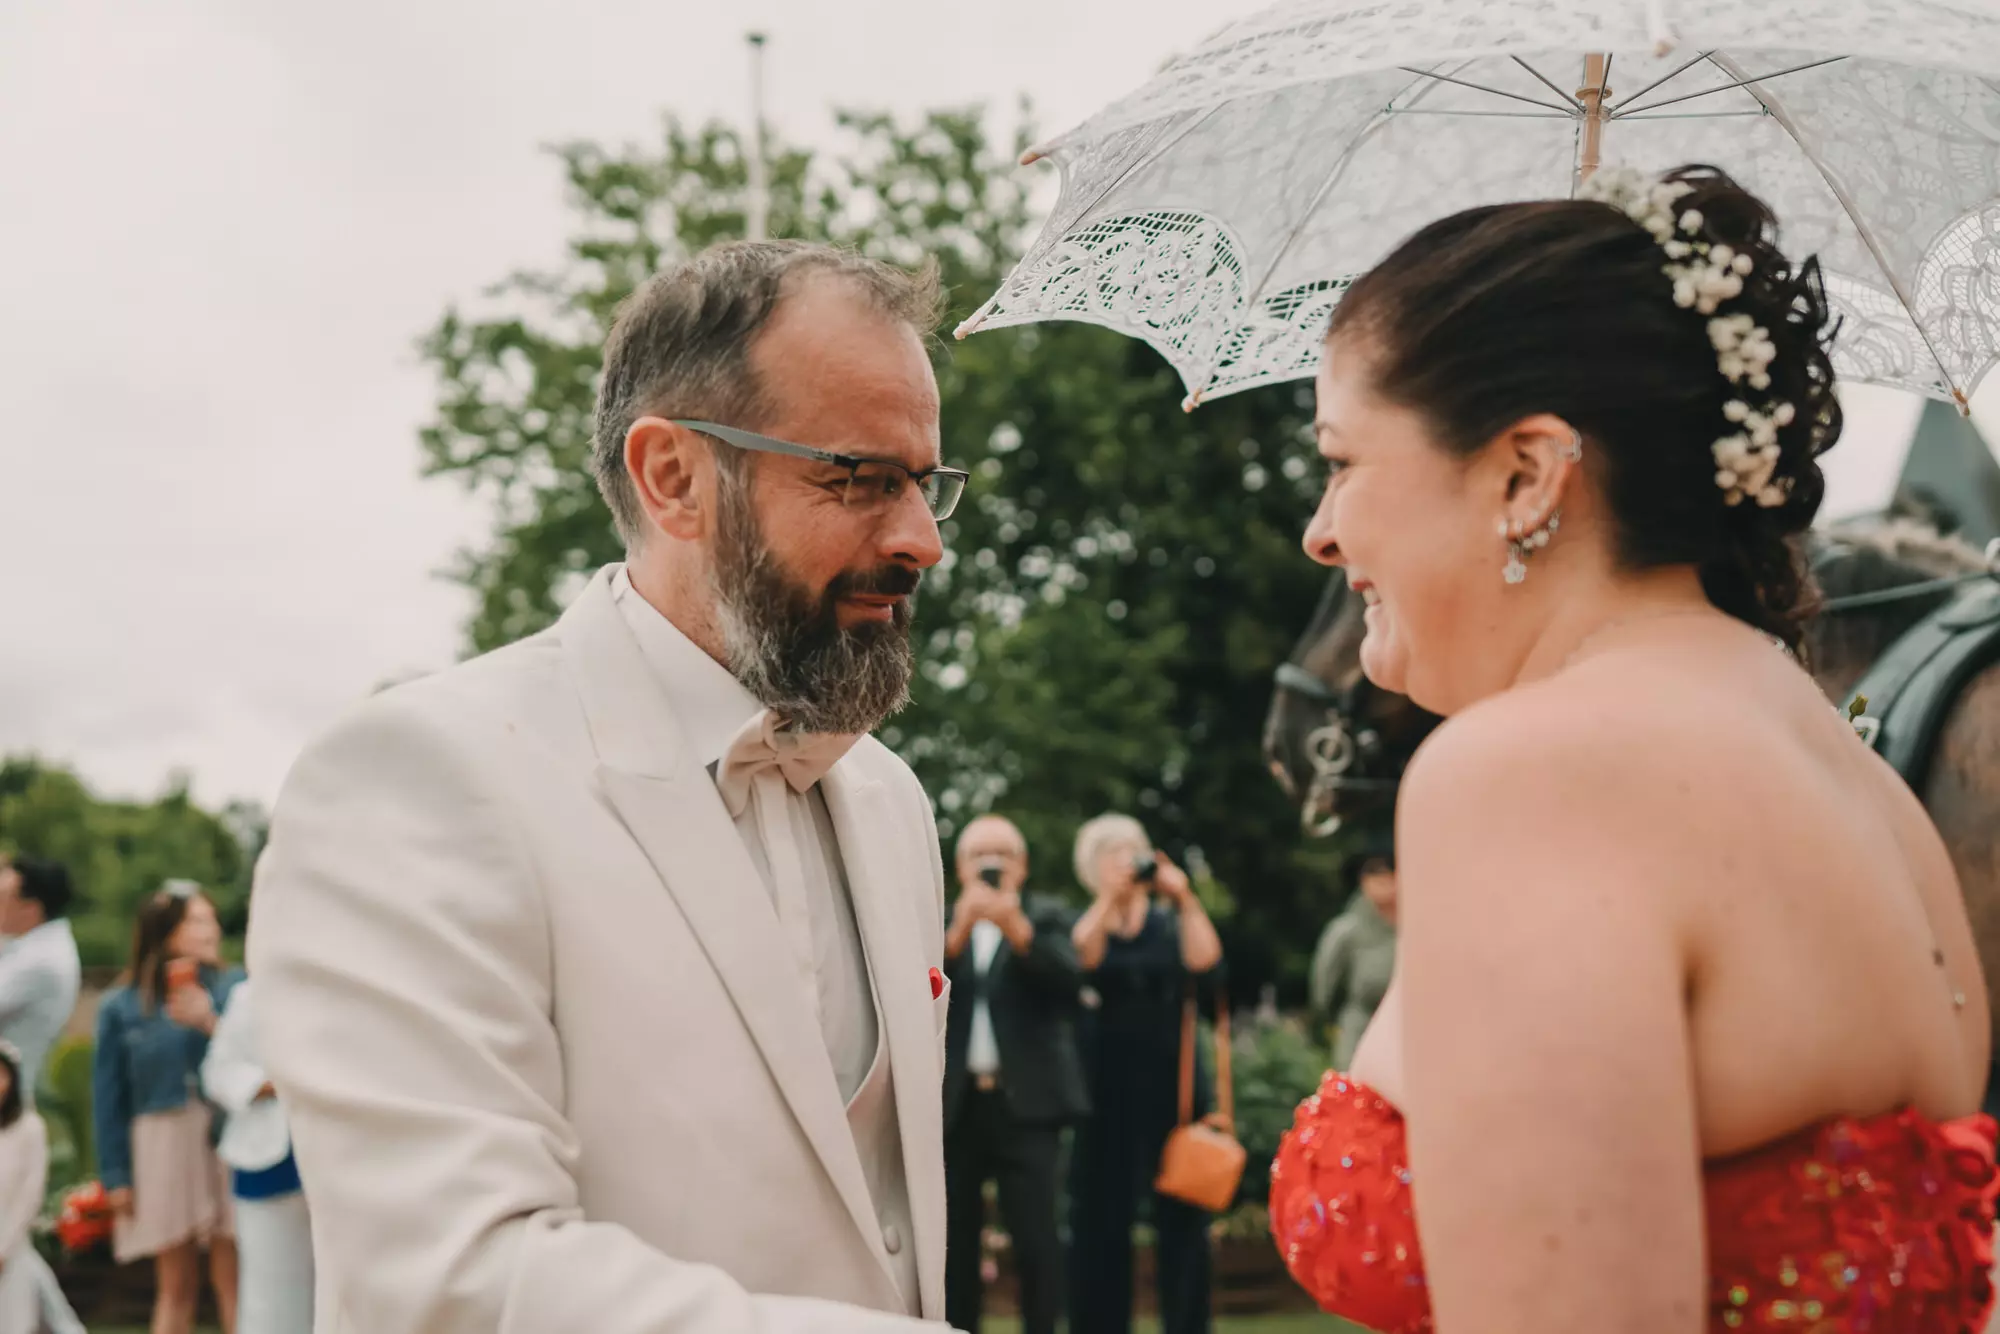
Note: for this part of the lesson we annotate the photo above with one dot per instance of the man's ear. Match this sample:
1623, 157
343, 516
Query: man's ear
673, 474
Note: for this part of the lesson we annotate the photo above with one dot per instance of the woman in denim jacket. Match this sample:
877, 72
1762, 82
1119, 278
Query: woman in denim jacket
155, 1140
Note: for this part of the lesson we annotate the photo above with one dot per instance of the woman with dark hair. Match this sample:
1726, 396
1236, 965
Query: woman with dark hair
155, 1134
24, 1180
1687, 1031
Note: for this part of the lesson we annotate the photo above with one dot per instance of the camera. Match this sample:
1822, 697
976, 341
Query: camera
1145, 867
991, 873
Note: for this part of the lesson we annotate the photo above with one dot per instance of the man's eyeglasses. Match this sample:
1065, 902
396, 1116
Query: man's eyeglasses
872, 485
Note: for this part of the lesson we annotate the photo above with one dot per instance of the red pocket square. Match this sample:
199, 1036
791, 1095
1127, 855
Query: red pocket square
937, 984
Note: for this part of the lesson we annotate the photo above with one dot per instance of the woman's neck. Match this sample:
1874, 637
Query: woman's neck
1585, 620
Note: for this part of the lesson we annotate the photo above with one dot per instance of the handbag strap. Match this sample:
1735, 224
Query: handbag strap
1225, 1101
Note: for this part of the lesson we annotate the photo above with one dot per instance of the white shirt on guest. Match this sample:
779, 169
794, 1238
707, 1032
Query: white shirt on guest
982, 1049
40, 976
711, 706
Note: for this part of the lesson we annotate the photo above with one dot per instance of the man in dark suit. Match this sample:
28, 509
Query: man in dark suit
1012, 1077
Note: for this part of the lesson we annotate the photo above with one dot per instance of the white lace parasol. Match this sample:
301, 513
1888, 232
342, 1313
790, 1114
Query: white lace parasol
1219, 211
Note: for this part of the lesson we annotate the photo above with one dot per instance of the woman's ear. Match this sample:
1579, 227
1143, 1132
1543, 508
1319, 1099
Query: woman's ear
1534, 459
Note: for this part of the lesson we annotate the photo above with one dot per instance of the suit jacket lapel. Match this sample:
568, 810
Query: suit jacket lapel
669, 804
886, 884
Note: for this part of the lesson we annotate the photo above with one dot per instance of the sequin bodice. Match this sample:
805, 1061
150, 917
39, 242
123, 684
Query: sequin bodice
1883, 1224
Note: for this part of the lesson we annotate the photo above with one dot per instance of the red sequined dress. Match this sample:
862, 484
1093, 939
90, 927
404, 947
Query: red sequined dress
1883, 1224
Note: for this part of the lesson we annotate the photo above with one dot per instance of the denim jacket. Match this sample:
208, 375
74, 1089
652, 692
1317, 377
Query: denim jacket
144, 1063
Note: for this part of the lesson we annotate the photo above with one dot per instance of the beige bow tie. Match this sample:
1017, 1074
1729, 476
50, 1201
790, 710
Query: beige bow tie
765, 743
764, 758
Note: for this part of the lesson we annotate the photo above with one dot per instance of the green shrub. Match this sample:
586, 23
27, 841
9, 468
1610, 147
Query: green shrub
64, 1102
1276, 1067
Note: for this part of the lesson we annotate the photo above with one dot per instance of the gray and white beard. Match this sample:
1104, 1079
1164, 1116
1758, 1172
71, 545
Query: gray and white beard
787, 645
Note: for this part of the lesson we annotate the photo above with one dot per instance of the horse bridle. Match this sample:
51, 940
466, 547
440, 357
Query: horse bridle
1333, 748
1883, 597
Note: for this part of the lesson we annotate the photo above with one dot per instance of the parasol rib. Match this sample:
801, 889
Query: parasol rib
1778, 113
1548, 83
1482, 88
1663, 79
1741, 82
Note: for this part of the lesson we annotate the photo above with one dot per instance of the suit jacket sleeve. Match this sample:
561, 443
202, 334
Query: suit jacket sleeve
1050, 966
400, 948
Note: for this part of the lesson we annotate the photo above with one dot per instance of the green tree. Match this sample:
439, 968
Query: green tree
1121, 579
118, 852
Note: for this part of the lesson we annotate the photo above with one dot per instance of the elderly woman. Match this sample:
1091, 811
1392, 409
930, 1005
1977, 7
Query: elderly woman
1143, 944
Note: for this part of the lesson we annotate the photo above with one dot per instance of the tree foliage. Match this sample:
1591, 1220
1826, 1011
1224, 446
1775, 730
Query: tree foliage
1121, 578
118, 852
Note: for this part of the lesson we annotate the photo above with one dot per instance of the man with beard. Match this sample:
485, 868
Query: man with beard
601, 975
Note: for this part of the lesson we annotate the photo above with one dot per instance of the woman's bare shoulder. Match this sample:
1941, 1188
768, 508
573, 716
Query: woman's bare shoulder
1581, 726
1615, 769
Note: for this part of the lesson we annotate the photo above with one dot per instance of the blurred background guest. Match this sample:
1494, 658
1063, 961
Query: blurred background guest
24, 1180
1012, 1076
40, 976
154, 1131
1356, 954
273, 1229
1143, 943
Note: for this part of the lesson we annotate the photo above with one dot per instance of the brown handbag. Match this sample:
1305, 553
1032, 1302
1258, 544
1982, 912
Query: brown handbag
1203, 1163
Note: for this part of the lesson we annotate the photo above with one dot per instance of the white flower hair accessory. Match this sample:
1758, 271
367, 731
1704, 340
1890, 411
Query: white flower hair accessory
1705, 275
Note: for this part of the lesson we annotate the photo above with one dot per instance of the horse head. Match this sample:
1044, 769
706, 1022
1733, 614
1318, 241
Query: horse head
1336, 743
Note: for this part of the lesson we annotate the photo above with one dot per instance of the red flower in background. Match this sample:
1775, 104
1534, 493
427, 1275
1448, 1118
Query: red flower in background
85, 1220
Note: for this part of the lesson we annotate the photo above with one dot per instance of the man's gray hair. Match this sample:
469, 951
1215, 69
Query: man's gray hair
991, 817
680, 346
1099, 836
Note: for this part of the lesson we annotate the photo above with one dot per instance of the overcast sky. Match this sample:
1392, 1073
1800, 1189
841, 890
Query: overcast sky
224, 224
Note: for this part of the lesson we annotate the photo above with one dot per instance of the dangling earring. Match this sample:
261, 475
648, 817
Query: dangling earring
1524, 539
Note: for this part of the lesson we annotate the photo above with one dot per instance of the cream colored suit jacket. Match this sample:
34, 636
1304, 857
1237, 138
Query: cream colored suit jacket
516, 984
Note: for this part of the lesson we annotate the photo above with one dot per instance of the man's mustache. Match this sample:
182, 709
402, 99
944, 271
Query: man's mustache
883, 581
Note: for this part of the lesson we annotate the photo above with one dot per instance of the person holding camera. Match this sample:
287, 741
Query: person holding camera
1143, 943
1012, 1076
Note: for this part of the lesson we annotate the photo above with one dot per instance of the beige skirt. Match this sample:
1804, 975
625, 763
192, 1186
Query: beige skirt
180, 1189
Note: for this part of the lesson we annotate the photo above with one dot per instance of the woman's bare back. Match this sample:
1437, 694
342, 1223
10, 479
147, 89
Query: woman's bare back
1811, 894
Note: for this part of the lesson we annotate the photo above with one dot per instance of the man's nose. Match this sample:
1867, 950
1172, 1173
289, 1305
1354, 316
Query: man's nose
909, 533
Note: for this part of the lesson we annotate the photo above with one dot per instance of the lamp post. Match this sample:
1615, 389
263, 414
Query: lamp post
757, 213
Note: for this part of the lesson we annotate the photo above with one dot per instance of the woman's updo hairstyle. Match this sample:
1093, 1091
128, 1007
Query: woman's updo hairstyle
1564, 306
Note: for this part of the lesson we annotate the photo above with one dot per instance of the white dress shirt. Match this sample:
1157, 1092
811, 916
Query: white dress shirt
39, 980
712, 706
982, 1051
